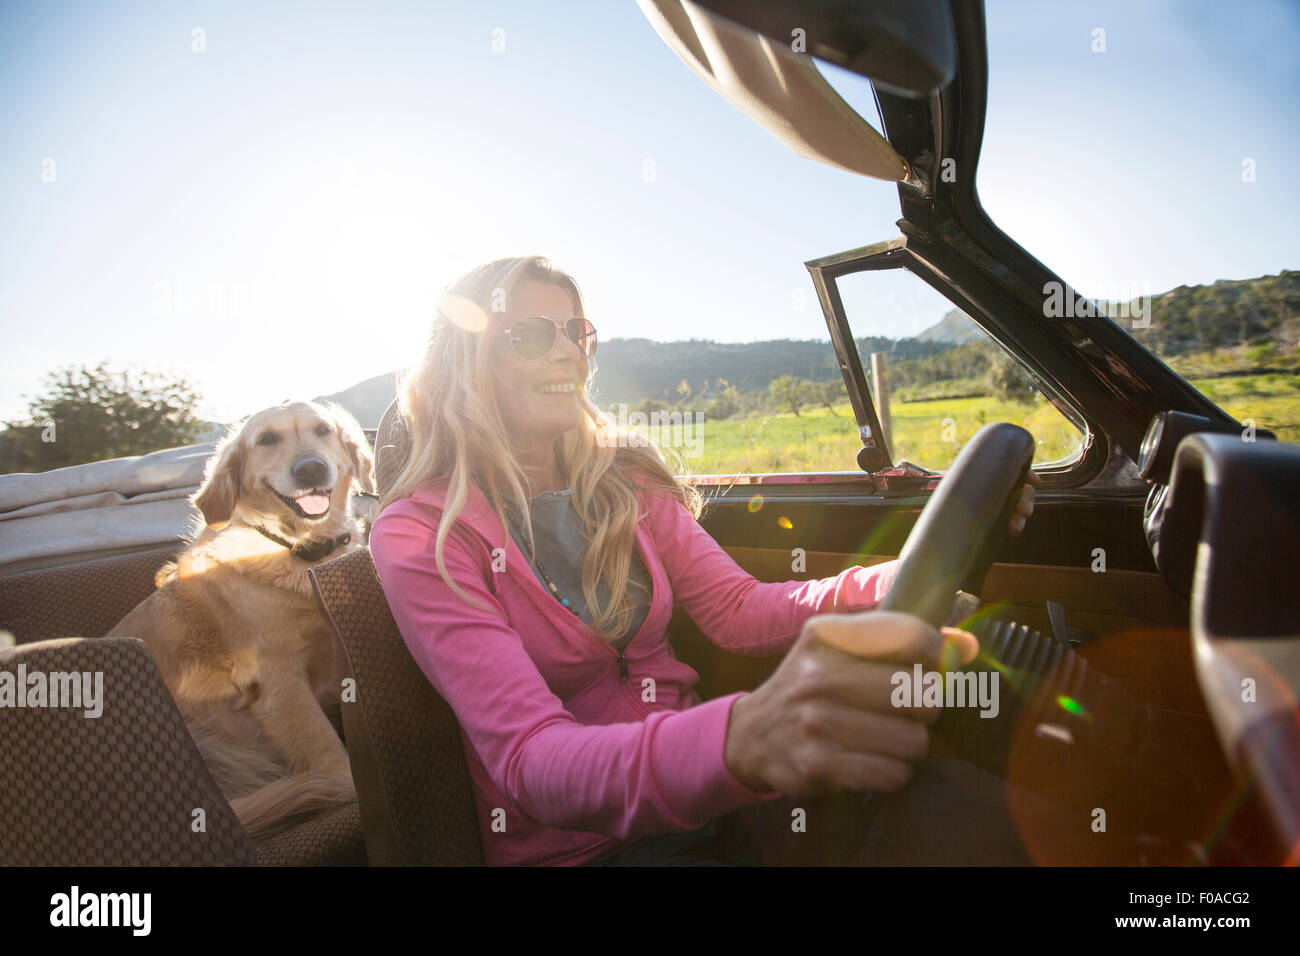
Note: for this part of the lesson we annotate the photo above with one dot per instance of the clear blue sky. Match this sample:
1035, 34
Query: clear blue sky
276, 216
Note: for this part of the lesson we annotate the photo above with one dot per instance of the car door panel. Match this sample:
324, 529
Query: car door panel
1053, 560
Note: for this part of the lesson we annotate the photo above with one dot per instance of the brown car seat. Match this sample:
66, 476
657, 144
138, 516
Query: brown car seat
87, 599
79, 790
413, 786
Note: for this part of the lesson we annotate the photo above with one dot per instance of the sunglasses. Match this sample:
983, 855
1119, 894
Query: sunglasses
533, 338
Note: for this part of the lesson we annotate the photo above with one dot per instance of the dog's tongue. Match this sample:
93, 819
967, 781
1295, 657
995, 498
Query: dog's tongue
314, 504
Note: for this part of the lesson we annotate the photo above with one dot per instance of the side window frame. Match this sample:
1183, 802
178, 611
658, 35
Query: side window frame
900, 254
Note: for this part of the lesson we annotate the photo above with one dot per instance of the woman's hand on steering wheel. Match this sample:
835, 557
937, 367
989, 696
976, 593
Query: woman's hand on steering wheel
825, 720
1025, 506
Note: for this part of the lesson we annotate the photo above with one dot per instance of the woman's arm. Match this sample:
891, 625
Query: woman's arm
742, 614
664, 774
737, 611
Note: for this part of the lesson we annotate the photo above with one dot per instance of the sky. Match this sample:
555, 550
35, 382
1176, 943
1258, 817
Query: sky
274, 211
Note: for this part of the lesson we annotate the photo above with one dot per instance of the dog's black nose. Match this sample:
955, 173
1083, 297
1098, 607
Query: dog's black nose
309, 472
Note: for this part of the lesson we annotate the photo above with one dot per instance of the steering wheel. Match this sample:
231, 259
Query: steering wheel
951, 545
951, 549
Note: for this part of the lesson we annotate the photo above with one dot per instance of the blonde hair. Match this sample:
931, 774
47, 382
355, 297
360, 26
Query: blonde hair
456, 431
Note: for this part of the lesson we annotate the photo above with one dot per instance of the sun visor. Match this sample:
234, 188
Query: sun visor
779, 89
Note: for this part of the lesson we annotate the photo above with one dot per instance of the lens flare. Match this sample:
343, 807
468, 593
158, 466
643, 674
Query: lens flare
755, 504
785, 522
463, 313
1072, 706
883, 533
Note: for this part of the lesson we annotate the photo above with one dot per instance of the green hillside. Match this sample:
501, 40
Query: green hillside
1232, 327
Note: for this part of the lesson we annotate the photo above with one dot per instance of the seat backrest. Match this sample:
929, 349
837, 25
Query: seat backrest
413, 785
117, 789
392, 448
85, 599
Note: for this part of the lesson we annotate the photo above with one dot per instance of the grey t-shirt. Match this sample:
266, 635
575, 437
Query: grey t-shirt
562, 547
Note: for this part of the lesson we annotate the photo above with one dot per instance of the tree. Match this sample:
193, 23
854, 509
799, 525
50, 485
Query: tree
789, 392
723, 405
1007, 380
828, 394
95, 414
650, 406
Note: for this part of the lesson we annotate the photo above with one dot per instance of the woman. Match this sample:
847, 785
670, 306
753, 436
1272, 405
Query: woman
531, 553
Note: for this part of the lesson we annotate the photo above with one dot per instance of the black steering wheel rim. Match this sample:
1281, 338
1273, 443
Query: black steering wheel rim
953, 539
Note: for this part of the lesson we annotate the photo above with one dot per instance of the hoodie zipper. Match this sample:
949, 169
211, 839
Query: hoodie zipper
620, 658
628, 692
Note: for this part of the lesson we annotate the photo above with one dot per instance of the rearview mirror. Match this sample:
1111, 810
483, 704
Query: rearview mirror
779, 88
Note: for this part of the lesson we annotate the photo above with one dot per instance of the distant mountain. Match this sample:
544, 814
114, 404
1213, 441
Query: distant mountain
366, 400
1228, 312
629, 371
955, 328
632, 370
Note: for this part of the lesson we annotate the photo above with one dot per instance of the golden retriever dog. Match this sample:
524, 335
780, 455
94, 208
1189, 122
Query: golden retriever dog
234, 626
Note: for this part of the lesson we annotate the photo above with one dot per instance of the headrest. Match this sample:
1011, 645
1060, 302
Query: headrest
392, 448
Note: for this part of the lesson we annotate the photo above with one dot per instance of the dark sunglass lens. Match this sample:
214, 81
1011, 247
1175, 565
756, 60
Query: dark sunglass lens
583, 334
532, 338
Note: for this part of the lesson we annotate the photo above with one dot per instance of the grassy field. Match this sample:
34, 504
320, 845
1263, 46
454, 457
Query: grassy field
1272, 401
930, 433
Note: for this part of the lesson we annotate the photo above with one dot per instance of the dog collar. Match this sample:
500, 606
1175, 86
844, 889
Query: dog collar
313, 549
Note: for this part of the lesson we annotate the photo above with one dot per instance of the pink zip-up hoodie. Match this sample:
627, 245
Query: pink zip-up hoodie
573, 749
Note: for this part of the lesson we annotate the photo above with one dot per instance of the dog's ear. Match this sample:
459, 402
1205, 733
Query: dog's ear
357, 447
225, 469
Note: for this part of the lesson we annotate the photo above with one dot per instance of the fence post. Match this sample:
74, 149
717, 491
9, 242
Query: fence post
880, 385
